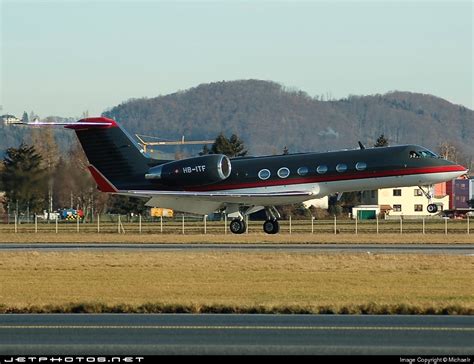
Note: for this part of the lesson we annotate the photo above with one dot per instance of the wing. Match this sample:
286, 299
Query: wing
207, 202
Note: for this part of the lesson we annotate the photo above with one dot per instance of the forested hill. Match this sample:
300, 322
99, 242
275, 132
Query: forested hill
268, 117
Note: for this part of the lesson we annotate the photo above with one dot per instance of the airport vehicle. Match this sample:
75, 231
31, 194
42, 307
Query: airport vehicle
241, 186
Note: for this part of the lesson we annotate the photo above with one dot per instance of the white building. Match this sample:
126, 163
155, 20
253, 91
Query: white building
9, 119
403, 201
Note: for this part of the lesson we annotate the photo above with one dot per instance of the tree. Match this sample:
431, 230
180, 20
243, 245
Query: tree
381, 141
205, 150
24, 118
451, 152
24, 179
45, 144
74, 186
232, 147
125, 205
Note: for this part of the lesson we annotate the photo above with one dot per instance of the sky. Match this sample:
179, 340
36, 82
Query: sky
66, 57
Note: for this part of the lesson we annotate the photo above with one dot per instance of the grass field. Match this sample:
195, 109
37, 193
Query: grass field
235, 282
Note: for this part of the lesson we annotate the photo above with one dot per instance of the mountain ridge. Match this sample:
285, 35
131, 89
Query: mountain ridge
268, 116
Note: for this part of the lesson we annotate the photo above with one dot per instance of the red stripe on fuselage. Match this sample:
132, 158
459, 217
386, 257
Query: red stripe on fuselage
330, 178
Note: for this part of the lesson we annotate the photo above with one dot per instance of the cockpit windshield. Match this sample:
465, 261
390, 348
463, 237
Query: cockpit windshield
424, 153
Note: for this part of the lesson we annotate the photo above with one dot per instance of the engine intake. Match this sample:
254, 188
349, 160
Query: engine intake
204, 170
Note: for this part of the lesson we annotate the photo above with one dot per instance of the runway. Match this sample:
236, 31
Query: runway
235, 334
455, 249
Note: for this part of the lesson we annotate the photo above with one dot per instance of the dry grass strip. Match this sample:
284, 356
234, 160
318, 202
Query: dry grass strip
267, 282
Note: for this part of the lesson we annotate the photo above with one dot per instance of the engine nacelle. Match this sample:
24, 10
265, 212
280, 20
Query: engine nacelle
204, 170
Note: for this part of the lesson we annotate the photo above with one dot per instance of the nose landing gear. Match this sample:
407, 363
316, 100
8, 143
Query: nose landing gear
431, 208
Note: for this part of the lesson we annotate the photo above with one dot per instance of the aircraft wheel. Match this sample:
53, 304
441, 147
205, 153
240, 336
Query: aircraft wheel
432, 208
237, 226
271, 226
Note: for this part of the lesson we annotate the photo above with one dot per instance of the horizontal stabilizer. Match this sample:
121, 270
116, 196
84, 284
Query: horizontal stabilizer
87, 123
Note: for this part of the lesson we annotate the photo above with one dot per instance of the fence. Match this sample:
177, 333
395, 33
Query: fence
182, 224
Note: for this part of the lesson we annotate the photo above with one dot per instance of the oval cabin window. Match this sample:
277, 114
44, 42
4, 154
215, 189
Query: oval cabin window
283, 172
341, 167
322, 169
360, 166
303, 171
264, 174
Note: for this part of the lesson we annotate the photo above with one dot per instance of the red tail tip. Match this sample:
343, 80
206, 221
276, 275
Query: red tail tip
99, 119
103, 183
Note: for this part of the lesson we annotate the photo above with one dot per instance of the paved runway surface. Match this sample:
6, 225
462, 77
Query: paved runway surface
235, 334
457, 249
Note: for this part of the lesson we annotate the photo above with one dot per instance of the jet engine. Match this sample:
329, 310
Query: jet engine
198, 171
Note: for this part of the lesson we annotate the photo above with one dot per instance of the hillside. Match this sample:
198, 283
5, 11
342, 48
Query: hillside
268, 117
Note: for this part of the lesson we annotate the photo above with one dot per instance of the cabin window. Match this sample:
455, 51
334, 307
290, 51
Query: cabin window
427, 154
341, 167
264, 174
303, 171
418, 207
423, 154
397, 192
322, 169
360, 166
397, 208
283, 172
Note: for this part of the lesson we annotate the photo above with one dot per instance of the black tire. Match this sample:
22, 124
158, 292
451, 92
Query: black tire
237, 226
432, 208
271, 226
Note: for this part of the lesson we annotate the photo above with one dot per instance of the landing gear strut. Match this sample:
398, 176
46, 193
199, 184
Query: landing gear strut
431, 208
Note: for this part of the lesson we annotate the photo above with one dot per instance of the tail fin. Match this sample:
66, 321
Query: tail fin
117, 162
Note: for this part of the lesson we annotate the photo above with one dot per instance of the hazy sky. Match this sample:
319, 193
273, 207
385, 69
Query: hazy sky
66, 57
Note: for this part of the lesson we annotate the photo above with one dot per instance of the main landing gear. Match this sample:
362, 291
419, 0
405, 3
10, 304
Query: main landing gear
270, 226
431, 208
238, 226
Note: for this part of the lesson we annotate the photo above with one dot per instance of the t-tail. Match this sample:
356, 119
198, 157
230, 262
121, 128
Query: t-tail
116, 161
